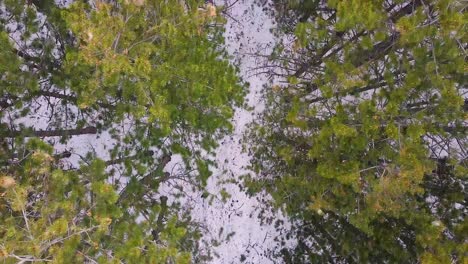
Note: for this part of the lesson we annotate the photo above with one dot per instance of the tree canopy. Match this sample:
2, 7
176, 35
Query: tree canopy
151, 77
362, 141
364, 144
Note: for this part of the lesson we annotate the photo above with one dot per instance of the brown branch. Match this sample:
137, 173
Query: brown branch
68, 97
454, 129
159, 222
406, 10
49, 133
63, 155
350, 92
5, 104
319, 59
35, 62
378, 50
26, 56
149, 180
120, 160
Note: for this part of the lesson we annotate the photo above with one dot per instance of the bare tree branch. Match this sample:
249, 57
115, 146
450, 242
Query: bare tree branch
49, 133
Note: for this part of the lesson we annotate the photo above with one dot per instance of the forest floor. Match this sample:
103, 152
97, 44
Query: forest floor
236, 222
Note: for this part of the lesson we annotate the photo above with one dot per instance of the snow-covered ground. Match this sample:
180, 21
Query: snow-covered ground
247, 32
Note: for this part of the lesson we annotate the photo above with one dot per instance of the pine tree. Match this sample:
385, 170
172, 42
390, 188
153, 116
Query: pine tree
150, 75
365, 144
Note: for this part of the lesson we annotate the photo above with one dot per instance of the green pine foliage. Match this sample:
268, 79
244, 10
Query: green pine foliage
63, 216
151, 76
365, 146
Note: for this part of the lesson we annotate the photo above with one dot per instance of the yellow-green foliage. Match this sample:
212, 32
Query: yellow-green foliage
155, 68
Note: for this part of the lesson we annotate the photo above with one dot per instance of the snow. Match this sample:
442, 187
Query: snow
247, 32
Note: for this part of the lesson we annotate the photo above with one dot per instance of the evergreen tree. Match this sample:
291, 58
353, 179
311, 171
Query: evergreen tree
151, 76
364, 145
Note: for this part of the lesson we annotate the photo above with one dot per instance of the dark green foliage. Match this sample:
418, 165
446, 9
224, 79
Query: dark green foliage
365, 146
